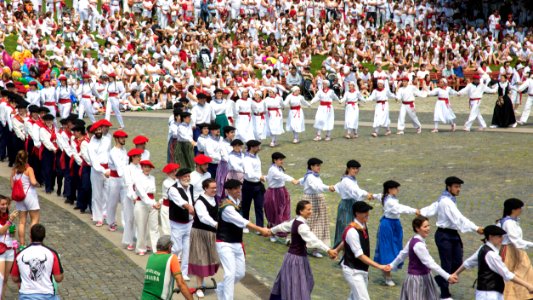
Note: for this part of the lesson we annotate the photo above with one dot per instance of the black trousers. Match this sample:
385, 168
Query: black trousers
253, 191
451, 256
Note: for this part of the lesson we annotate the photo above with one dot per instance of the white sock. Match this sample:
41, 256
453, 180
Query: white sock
436, 125
295, 135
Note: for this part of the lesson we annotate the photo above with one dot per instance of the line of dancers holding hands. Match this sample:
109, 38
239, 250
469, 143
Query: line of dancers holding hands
504, 268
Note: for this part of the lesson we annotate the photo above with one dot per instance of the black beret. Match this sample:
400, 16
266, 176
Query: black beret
80, 128
353, 164
390, 184
493, 230
185, 115
183, 171
361, 206
22, 105
48, 117
453, 180
33, 108
202, 126
214, 126
232, 184
236, 142
44, 109
252, 143
278, 155
201, 96
228, 128
313, 161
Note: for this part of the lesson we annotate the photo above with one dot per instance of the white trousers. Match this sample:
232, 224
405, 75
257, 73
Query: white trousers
99, 186
64, 110
180, 235
145, 221
234, 265
113, 104
116, 191
527, 109
410, 111
358, 282
128, 221
165, 221
86, 106
475, 113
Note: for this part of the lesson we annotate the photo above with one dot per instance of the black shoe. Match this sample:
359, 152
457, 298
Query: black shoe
75, 207
82, 211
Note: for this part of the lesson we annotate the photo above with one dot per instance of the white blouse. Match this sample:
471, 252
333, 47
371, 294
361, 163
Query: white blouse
312, 241
276, 177
514, 235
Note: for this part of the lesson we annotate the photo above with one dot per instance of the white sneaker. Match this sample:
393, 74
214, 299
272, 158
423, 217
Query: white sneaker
493, 126
273, 239
389, 282
245, 230
199, 294
446, 298
514, 125
186, 278
317, 254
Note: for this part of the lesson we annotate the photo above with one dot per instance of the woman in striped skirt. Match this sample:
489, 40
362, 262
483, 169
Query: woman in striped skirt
295, 279
313, 192
390, 232
277, 199
203, 259
419, 283
350, 193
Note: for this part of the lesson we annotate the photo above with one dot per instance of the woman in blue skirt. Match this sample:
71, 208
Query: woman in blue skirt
390, 233
350, 193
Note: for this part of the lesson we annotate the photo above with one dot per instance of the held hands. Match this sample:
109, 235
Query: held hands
190, 209
332, 188
295, 181
417, 212
107, 173
332, 253
157, 205
262, 178
453, 278
480, 230
265, 232
385, 268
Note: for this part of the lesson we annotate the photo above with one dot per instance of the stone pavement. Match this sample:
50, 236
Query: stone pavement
96, 265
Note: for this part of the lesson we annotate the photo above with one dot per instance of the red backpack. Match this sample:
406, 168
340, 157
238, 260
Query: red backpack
17, 193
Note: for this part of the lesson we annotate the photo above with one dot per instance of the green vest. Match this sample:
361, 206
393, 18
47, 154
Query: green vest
158, 281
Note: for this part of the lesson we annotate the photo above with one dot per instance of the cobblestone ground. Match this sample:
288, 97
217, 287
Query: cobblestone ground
94, 268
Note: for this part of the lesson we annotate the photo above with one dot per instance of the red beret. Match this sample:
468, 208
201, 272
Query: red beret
86, 76
105, 122
62, 77
95, 126
202, 159
404, 78
476, 76
170, 167
120, 133
225, 92
21, 89
140, 139
135, 151
112, 75
147, 163
33, 82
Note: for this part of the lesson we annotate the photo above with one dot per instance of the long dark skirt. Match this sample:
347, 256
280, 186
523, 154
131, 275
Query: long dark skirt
170, 150
295, 279
184, 155
504, 114
222, 173
277, 207
344, 217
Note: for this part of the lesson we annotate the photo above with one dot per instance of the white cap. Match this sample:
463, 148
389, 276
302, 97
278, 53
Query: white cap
381, 82
295, 88
519, 67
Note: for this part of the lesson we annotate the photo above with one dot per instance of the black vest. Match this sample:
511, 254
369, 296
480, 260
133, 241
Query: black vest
176, 213
228, 232
298, 245
349, 257
213, 213
487, 280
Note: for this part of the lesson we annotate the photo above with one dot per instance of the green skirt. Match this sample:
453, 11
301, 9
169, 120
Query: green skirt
184, 155
222, 120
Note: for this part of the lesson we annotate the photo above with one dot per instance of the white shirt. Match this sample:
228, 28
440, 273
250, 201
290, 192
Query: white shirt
235, 162
392, 208
448, 215
144, 185
45, 138
312, 241
196, 180
230, 215
201, 210
165, 186
252, 167
276, 177
422, 253
118, 160
99, 152
476, 92
202, 114
184, 132
349, 189
213, 149
313, 184
514, 235
352, 240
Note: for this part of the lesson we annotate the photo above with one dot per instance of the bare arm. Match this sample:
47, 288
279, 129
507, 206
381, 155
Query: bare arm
184, 289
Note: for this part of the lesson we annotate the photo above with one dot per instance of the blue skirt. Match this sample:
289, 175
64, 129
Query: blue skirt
344, 217
389, 241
